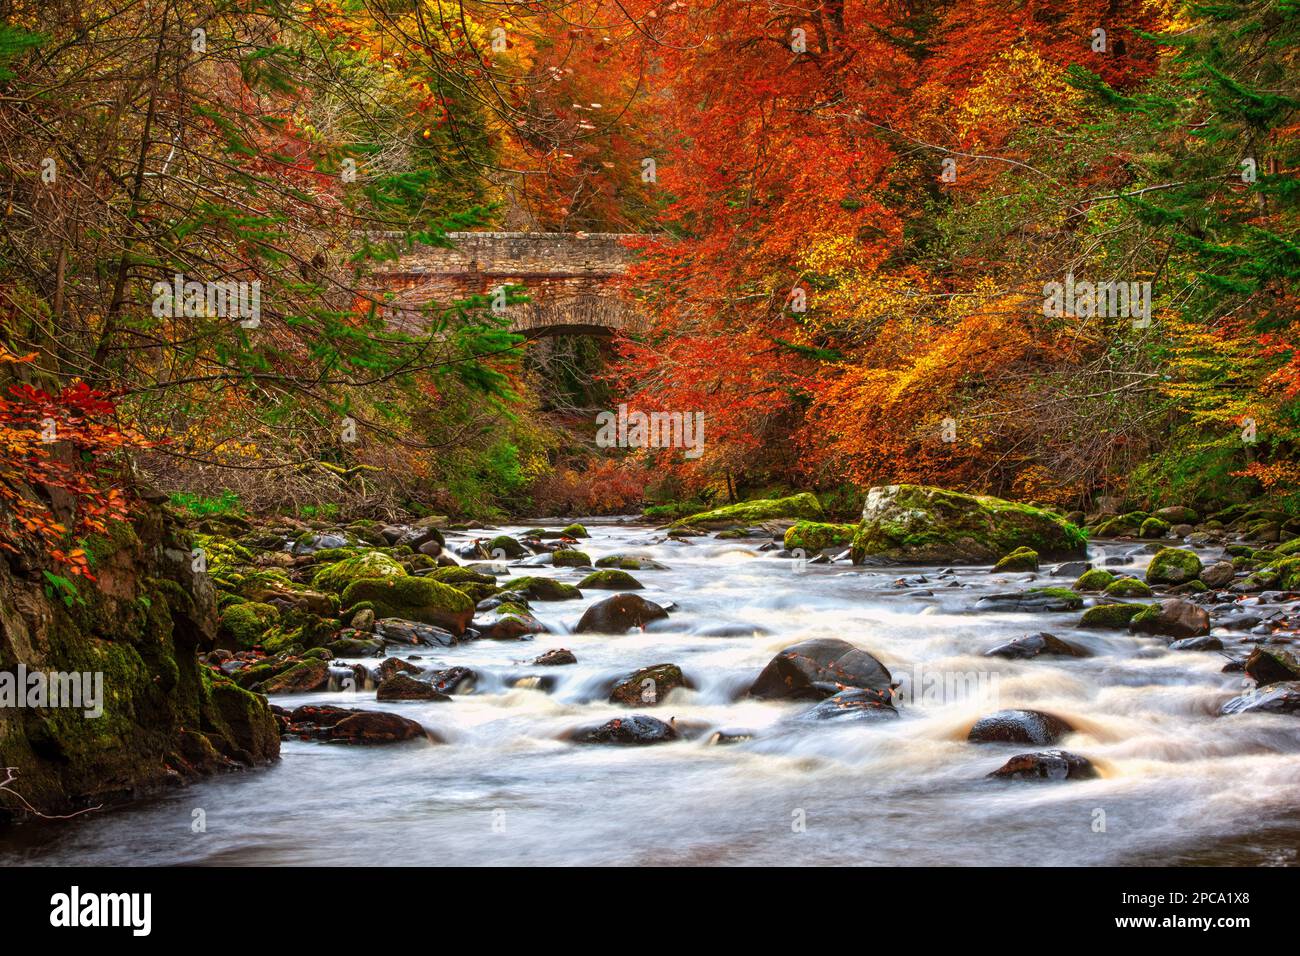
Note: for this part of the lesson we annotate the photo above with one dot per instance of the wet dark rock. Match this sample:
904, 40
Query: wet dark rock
1272, 665
1070, 569
556, 657
1218, 575
733, 630
348, 725
1019, 727
723, 738
400, 631
1034, 599
301, 677
1046, 765
454, 680
405, 687
819, 668
1281, 698
638, 729
1175, 618
355, 647
619, 614
1034, 645
855, 704
395, 665
1197, 644
648, 686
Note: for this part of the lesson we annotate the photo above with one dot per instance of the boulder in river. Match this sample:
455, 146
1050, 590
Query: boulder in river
610, 579
1173, 618
555, 657
811, 536
648, 686
1110, 615
395, 665
803, 506
819, 668
1019, 727
1272, 665
399, 631
638, 729
1282, 698
1021, 559
923, 525
1036, 645
542, 589
1046, 765
348, 725
619, 614
405, 687
1219, 575
412, 599
1033, 599
855, 704
1197, 644
1173, 566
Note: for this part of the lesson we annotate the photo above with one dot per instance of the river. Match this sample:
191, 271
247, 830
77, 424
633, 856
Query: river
1178, 783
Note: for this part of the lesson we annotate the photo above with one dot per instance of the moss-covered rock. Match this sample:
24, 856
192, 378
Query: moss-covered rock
812, 536
505, 546
413, 599
574, 531
568, 558
1173, 566
1127, 588
924, 525
801, 506
335, 577
1021, 559
1120, 526
1154, 527
629, 564
1110, 615
1094, 579
610, 579
242, 625
541, 589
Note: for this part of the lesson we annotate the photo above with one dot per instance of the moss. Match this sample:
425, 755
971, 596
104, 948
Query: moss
329, 555
1265, 555
1154, 528
1121, 526
243, 625
372, 564
1126, 588
1071, 599
804, 505
674, 510
812, 536
1095, 579
575, 531
413, 599
610, 580
541, 589
1021, 559
566, 558
506, 545
458, 576
922, 524
1173, 566
1287, 548
418, 562
1109, 615
117, 536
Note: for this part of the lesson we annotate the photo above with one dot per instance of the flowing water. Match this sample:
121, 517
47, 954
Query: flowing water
1179, 784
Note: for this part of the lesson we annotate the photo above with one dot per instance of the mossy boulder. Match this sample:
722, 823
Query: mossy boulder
242, 625
1154, 528
413, 599
1120, 526
1096, 579
1178, 514
629, 564
541, 589
810, 536
338, 575
504, 545
1173, 566
610, 579
803, 506
1110, 615
574, 531
1021, 559
918, 524
1127, 588
568, 558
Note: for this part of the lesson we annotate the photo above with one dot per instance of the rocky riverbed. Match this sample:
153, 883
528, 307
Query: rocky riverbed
638, 695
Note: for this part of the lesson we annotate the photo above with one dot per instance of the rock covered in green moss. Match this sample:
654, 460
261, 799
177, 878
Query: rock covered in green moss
1096, 579
1154, 528
1110, 615
1120, 526
627, 563
1127, 588
1021, 559
610, 579
413, 599
505, 546
568, 558
918, 524
541, 589
242, 625
1172, 618
810, 536
801, 506
1173, 566
574, 531
338, 575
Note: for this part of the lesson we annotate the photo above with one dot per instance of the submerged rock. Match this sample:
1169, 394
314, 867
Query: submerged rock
855, 704
619, 614
1197, 644
1281, 698
638, 729
556, 657
1046, 765
1019, 727
648, 686
923, 525
819, 668
405, 687
1035, 645
348, 725
1033, 599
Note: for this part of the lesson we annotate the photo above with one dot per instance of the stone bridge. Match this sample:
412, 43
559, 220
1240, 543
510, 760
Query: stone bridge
571, 280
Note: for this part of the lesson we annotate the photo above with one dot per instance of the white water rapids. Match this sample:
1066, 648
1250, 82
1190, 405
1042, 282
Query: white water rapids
1179, 784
